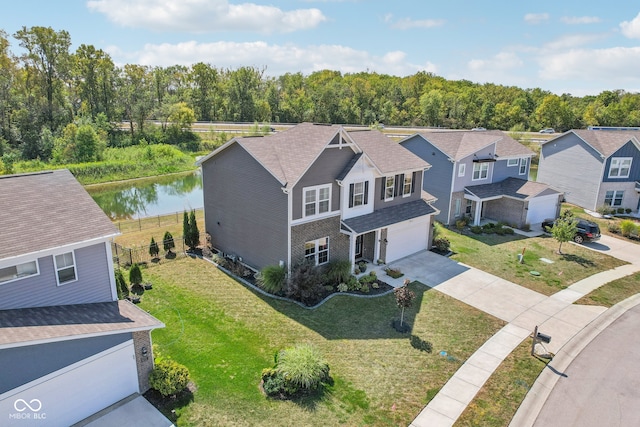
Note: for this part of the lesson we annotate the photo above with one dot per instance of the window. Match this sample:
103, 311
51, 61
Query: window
461, 169
317, 200
65, 267
389, 188
523, 165
467, 210
457, 208
480, 171
398, 185
408, 185
358, 194
513, 162
317, 251
15, 272
613, 198
620, 167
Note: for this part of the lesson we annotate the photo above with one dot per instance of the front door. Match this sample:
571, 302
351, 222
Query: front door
359, 245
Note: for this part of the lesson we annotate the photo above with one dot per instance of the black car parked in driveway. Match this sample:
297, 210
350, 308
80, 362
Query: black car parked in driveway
588, 231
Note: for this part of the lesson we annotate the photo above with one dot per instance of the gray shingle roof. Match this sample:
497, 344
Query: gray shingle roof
606, 142
47, 210
387, 216
287, 155
511, 187
27, 325
460, 144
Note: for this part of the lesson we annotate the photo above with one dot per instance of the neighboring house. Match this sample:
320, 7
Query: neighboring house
316, 192
68, 347
594, 167
482, 174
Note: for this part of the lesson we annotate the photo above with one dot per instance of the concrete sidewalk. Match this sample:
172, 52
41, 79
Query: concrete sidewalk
522, 308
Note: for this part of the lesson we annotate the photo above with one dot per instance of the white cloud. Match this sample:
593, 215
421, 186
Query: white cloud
503, 68
536, 18
593, 65
500, 61
278, 59
631, 29
576, 20
203, 16
406, 23
571, 41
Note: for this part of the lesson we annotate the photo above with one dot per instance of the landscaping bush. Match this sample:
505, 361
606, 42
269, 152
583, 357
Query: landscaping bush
169, 377
135, 275
305, 283
508, 231
604, 210
614, 228
393, 272
338, 271
628, 228
299, 369
489, 227
121, 285
627, 211
526, 227
272, 278
442, 244
461, 224
420, 344
476, 229
620, 211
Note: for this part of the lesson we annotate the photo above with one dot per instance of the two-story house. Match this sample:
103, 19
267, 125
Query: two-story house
482, 174
316, 192
68, 347
594, 167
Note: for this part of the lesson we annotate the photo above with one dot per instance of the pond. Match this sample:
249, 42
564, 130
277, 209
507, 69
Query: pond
141, 198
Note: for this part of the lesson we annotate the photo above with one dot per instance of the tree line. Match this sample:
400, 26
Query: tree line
63, 106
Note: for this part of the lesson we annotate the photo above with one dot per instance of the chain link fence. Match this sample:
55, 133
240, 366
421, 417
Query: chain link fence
126, 257
130, 225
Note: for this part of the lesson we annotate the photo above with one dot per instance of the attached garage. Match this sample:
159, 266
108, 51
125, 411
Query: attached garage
541, 208
75, 392
407, 238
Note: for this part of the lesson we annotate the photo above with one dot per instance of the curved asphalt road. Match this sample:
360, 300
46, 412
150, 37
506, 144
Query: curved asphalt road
602, 384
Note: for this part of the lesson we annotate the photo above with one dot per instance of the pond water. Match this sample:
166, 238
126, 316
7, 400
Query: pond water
149, 197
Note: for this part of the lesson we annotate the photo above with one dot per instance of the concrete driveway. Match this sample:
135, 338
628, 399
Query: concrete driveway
617, 247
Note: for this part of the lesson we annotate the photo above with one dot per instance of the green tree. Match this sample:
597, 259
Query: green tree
154, 250
194, 233
135, 275
167, 242
121, 284
563, 230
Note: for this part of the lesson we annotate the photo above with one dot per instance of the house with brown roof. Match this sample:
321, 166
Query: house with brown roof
594, 168
316, 192
482, 174
68, 347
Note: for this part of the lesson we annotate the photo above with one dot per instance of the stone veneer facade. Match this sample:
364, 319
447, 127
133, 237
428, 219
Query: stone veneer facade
313, 230
143, 363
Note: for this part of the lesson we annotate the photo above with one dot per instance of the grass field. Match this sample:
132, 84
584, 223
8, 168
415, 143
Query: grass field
226, 334
498, 255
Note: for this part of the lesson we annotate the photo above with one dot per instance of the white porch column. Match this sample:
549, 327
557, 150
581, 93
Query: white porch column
476, 217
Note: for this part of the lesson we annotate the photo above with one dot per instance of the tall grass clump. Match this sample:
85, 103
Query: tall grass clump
272, 278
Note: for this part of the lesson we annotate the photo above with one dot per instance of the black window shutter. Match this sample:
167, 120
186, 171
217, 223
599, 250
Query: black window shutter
366, 192
398, 187
384, 187
351, 195
414, 182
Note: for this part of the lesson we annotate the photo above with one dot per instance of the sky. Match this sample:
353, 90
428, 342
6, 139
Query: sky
580, 47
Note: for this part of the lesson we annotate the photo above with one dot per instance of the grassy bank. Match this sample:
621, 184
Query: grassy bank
226, 334
122, 163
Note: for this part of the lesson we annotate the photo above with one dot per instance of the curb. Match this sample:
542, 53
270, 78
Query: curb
531, 406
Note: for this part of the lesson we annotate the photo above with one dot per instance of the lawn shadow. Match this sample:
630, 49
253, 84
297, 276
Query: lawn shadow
353, 317
582, 261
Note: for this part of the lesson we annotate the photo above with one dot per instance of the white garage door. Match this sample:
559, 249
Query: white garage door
542, 208
76, 392
407, 238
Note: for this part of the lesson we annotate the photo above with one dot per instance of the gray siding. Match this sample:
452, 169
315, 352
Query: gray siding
437, 180
628, 150
324, 170
245, 208
572, 167
378, 196
501, 171
93, 284
28, 364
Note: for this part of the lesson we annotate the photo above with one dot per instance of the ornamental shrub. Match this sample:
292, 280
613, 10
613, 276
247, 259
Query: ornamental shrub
303, 366
169, 377
628, 228
272, 278
442, 244
135, 275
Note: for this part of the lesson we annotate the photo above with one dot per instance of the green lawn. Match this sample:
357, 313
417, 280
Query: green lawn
498, 255
498, 400
613, 292
226, 334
